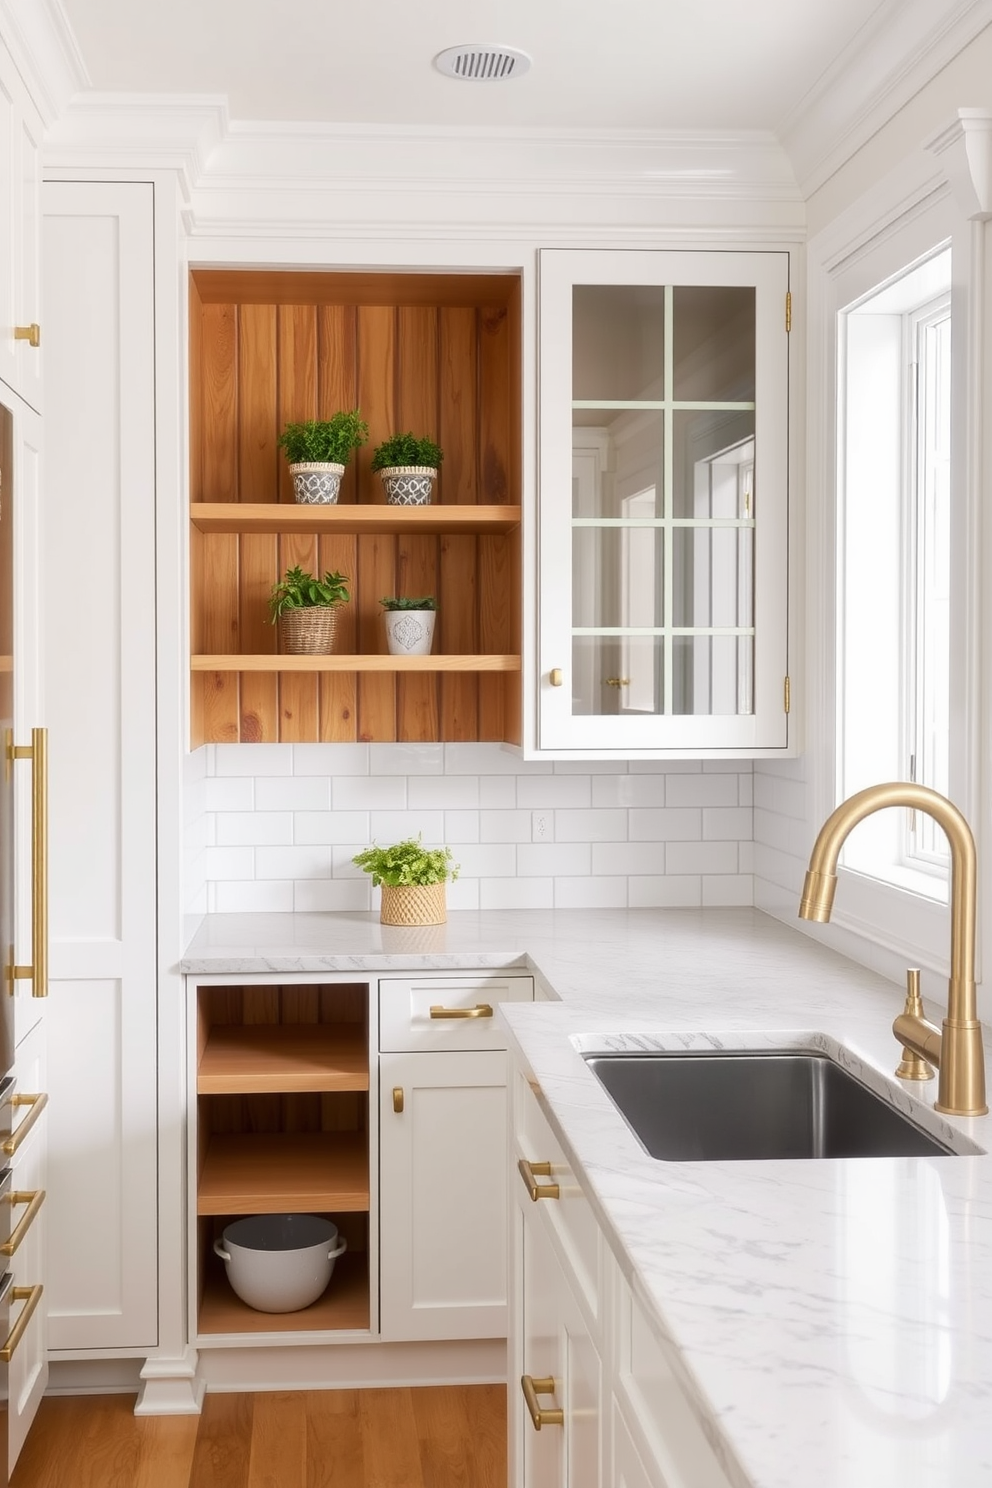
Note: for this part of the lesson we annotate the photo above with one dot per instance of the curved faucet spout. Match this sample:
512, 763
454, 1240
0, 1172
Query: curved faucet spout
957, 1050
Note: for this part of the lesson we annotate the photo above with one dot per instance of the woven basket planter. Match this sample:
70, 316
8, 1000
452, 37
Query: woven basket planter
309, 631
413, 904
315, 484
408, 485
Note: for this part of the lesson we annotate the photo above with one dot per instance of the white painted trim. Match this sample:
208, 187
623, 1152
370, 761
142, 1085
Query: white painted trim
41, 41
895, 55
355, 1367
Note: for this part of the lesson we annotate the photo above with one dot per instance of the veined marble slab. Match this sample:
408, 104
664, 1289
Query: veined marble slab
830, 1320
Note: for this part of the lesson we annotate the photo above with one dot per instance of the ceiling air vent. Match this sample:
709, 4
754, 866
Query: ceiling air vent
477, 63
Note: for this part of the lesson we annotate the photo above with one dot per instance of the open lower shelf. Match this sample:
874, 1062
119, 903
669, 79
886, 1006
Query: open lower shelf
350, 517
242, 1059
284, 1172
338, 663
343, 1307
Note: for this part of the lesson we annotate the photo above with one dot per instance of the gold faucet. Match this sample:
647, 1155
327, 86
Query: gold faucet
957, 1050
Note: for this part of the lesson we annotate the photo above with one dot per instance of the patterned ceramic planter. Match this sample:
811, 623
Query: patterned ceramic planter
409, 632
408, 485
315, 484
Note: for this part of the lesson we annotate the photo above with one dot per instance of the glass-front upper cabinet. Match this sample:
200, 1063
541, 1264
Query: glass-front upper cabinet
663, 528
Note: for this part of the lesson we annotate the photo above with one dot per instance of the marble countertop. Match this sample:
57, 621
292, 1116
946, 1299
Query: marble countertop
830, 1321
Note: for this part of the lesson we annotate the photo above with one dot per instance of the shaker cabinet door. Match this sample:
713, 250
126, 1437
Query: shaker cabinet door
663, 526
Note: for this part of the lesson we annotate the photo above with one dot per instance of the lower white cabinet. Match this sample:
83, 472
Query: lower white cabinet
28, 1370
442, 1198
582, 1344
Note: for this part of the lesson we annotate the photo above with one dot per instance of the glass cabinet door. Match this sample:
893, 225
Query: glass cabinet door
663, 501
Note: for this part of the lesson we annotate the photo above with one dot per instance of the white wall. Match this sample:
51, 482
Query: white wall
280, 824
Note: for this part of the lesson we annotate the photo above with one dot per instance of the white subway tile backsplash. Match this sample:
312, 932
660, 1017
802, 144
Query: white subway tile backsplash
702, 790
701, 857
553, 859
628, 790
368, 793
590, 893
590, 826
650, 824
783, 797
446, 792
305, 793
276, 826
253, 828
537, 791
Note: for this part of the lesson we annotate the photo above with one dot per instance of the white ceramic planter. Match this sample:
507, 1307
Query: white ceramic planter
280, 1262
409, 632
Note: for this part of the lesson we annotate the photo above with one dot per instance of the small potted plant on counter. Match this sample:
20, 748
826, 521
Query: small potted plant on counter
409, 625
307, 610
412, 878
318, 451
408, 468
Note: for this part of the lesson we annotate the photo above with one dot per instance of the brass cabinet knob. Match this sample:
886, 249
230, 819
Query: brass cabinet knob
618, 681
29, 333
398, 1099
556, 676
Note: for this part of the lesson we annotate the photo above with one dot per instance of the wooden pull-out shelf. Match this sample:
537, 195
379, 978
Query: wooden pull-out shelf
244, 1059
284, 1172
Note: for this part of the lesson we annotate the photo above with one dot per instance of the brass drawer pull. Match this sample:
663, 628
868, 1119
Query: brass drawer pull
30, 1296
37, 753
530, 1172
37, 1104
481, 1010
540, 1416
398, 1099
34, 1202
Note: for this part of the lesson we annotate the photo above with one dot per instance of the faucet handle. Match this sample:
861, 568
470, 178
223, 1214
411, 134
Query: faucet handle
913, 1066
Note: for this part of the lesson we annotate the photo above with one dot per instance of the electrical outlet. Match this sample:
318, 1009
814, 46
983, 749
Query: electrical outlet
540, 826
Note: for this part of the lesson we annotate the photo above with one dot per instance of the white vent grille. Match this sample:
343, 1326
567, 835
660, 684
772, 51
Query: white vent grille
482, 64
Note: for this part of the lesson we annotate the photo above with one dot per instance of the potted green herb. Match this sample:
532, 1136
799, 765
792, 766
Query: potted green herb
318, 451
409, 625
408, 468
412, 878
307, 610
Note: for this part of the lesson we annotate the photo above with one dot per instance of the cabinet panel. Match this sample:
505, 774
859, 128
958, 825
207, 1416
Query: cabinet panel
99, 703
663, 501
20, 184
442, 1195
446, 1012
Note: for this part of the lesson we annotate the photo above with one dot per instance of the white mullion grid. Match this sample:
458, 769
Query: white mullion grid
668, 504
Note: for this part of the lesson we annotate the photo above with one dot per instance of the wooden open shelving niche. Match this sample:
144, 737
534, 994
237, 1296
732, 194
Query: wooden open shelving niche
438, 354
283, 1127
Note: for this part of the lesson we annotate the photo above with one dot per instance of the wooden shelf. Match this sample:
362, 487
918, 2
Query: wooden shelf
343, 1307
284, 1172
342, 663
350, 517
269, 1058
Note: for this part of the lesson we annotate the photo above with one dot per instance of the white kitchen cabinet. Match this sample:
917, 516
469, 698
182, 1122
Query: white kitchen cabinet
442, 1146
28, 1370
663, 527
99, 660
20, 278
442, 1154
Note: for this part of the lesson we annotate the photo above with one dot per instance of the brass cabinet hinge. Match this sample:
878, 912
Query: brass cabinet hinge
788, 694
788, 313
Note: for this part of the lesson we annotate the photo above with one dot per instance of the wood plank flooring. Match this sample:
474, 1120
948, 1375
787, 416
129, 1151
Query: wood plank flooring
434, 1437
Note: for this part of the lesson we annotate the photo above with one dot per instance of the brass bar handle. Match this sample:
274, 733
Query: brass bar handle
540, 1415
30, 1296
398, 1099
37, 1104
530, 1172
34, 1202
29, 333
37, 753
618, 681
481, 1010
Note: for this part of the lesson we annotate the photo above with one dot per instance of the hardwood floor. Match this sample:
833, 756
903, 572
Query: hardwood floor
435, 1437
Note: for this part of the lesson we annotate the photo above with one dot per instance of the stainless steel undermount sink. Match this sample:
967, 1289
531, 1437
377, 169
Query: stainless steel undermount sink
715, 1107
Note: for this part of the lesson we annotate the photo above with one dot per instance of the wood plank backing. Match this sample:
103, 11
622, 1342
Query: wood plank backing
459, 388
257, 382
376, 555
372, 287
417, 402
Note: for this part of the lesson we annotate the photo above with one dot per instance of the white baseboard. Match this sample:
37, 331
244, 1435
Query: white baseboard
364, 1366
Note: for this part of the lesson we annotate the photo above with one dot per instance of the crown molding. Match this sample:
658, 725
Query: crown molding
903, 46
43, 46
964, 150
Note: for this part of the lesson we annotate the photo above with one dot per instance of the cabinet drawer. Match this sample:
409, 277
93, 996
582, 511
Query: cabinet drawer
446, 1012
569, 1216
654, 1405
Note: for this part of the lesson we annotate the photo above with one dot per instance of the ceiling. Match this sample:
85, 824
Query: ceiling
623, 64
